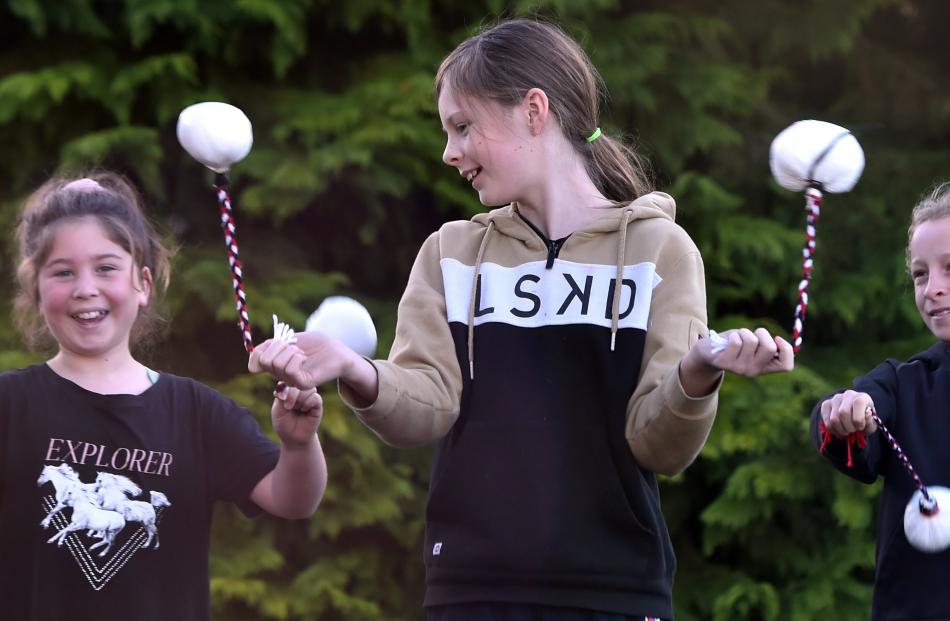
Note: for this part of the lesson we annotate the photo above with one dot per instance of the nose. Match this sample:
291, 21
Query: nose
452, 155
85, 285
937, 285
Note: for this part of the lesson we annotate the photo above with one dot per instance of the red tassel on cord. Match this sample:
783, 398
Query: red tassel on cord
856, 438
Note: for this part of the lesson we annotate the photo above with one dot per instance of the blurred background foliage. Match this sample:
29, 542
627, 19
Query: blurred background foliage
345, 180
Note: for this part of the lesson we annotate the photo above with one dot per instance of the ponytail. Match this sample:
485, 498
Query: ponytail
616, 169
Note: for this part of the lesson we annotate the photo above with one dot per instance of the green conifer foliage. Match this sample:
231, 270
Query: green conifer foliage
345, 180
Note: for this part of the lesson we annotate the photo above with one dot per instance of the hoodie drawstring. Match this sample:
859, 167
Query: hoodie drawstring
618, 286
471, 306
615, 306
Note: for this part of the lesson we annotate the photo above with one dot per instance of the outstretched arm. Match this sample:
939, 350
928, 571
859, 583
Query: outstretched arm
745, 353
409, 400
673, 407
316, 358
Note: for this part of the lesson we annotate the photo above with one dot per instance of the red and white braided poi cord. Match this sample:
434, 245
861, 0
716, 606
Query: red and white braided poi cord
234, 261
813, 207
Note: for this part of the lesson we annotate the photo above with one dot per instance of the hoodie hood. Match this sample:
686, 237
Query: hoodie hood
506, 220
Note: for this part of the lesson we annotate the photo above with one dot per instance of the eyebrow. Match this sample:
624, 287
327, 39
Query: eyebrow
918, 261
98, 257
452, 119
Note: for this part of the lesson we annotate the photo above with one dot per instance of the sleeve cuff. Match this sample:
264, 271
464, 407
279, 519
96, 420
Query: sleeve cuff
685, 406
386, 398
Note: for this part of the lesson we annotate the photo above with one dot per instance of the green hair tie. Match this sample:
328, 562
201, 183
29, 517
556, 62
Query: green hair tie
594, 136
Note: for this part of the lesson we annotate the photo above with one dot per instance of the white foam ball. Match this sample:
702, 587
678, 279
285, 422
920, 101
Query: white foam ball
795, 151
348, 320
216, 134
928, 533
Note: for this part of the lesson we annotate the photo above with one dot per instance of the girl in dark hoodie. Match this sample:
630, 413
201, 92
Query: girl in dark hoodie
911, 400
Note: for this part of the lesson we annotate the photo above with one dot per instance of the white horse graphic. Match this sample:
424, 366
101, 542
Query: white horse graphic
88, 516
159, 500
63, 478
102, 508
113, 493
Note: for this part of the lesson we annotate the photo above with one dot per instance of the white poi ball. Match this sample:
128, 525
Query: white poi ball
216, 134
810, 152
928, 533
347, 320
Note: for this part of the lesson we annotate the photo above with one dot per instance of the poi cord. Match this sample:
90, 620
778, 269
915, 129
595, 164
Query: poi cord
234, 260
813, 198
813, 207
928, 504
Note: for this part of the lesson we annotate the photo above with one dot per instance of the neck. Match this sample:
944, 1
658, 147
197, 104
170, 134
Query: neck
116, 373
566, 198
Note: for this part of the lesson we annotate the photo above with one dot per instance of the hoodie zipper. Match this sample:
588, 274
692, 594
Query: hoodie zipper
553, 245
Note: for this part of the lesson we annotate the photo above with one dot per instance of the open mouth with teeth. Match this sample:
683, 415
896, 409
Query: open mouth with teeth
470, 176
940, 312
89, 316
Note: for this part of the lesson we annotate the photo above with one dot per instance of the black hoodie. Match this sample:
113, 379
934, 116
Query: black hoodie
913, 401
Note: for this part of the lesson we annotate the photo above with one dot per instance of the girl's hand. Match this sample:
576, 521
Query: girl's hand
847, 412
748, 353
296, 414
314, 359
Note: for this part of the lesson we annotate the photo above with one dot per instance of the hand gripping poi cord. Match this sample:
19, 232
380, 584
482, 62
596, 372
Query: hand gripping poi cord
219, 135
925, 526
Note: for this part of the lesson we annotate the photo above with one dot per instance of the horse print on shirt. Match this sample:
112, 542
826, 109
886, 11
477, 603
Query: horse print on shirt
99, 510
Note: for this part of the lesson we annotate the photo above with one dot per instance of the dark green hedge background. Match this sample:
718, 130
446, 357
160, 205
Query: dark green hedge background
345, 180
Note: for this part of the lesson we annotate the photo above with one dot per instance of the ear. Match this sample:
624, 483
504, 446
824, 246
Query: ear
535, 106
145, 290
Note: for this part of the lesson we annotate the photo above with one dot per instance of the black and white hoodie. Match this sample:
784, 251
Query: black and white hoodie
548, 373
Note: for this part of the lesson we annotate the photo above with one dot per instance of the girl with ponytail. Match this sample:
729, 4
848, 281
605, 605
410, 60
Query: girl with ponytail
554, 348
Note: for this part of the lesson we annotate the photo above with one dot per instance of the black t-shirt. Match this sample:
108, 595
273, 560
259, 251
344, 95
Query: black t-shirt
106, 500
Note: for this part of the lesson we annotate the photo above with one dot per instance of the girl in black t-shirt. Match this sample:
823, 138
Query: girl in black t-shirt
108, 470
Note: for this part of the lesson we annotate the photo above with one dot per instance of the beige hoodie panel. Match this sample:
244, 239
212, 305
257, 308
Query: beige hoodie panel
420, 383
666, 428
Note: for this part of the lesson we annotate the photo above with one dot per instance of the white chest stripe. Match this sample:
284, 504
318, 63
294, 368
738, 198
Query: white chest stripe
531, 296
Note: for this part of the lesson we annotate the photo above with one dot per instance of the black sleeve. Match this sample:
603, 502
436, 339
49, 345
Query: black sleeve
881, 385
237, 453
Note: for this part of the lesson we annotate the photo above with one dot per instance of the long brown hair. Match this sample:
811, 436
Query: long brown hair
117, 207
505, 61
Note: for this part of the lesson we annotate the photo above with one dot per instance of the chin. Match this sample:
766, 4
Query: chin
942, 333
491, 201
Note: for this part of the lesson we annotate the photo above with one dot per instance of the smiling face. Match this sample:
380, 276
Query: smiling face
90, 290
489, 144
929, 254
